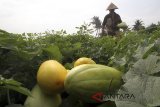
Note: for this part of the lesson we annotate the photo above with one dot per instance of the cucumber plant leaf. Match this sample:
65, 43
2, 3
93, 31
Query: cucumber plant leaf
148, 66
145, 90
13, 85
141, 83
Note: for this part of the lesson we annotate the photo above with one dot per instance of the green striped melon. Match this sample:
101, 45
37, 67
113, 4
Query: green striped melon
84, 81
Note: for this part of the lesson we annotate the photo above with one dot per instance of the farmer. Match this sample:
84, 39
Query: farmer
110, 22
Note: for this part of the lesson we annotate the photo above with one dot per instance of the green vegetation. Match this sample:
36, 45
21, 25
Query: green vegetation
136, 53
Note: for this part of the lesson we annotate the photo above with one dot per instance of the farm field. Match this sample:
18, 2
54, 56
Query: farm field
136, 54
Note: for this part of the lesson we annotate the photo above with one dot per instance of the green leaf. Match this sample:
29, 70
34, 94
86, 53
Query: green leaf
53, 52
8, 43
121, 61
142, 84
142, 50
12, 82
26, 55
19, 89
128, 104
14, 85
149, 66
77, 45
145, 90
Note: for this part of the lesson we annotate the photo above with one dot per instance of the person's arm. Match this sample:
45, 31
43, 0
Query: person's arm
104, 23
119, 19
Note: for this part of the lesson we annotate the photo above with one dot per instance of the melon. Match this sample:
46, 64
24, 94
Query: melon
85, 81
41, 99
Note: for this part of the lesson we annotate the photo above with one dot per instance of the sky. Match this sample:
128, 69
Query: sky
35, 16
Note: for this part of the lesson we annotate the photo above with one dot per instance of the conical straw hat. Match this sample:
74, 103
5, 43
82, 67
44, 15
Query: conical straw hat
112, 6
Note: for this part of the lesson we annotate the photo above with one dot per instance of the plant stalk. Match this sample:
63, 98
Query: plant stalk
8, 97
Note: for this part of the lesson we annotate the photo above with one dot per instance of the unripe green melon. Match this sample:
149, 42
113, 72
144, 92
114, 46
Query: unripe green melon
86, 80
41, 99
122, 25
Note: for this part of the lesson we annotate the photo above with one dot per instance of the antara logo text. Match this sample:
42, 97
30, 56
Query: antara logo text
100, 97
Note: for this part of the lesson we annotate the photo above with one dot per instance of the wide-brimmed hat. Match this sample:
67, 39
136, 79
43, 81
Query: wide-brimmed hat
112, 6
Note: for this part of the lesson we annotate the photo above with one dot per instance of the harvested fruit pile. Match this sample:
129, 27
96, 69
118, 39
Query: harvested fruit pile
82, 82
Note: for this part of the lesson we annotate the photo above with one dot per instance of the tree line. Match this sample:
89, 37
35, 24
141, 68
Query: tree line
138, 25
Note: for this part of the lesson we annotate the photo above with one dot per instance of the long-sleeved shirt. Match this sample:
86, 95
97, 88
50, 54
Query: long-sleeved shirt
111, 21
